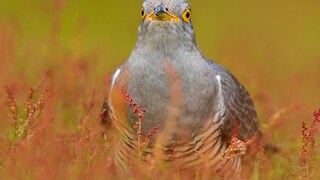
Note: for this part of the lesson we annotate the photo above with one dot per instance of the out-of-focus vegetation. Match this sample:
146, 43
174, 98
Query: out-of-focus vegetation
72, 47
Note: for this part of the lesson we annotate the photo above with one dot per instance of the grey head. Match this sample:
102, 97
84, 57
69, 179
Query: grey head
166, 21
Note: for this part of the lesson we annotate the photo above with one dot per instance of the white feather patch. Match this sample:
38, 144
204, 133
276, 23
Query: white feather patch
220, 100
218, 77
114, 77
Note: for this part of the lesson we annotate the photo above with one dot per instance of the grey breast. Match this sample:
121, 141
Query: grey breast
150, 86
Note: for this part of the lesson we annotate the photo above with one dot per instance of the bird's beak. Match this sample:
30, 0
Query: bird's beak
161, 13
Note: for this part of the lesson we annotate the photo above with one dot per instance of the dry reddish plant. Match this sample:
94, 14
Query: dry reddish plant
308, 137
35, 141
237, 147
87, 151
28, 106
139, 112
12, 106
23, 126
309, 152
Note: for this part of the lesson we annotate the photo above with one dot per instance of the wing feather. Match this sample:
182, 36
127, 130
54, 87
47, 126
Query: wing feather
106, 111
237, 104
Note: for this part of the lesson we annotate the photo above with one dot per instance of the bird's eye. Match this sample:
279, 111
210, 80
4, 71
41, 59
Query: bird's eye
143, 14
187, 15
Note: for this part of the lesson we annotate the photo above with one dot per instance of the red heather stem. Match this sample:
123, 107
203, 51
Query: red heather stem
27, 106
151, 133
316, 115
103, 113
139, 112
308, 136
313, 128
235, 132
13, 106
305, 141
304, 130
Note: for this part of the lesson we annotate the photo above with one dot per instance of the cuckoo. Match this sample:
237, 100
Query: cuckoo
191, 101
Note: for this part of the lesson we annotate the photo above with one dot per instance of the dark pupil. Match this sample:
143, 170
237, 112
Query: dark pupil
188, 15
142, 13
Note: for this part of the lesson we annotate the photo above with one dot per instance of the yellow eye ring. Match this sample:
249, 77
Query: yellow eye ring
186, 16
143, 14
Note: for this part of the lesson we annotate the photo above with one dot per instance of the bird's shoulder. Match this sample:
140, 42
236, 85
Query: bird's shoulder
238, 105
116, 79
118, 75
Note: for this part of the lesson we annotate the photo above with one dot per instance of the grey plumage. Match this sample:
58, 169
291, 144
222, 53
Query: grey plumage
210, 98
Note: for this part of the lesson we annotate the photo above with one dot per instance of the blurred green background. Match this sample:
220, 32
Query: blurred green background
271, 46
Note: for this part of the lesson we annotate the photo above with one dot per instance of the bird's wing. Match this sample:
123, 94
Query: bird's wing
237, 106
107, 112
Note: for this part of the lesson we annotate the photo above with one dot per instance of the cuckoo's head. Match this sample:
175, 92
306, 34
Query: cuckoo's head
166, 18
